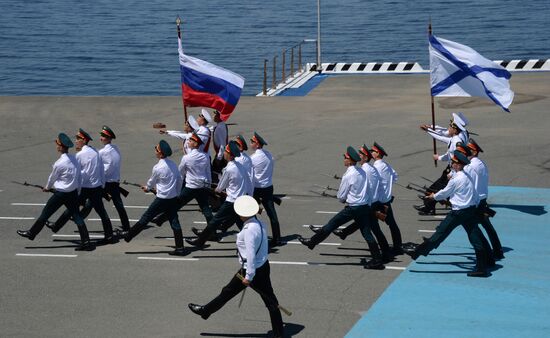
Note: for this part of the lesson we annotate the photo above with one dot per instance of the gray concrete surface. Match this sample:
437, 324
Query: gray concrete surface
112, 293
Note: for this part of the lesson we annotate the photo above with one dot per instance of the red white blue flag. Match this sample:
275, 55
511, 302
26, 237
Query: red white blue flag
204, 84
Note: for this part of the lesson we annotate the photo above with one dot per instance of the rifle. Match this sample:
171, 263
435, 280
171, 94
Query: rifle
154, 191
328, 187
32, 185
286, 312
336, 177
323, 193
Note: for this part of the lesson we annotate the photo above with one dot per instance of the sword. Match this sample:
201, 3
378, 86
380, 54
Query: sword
154, 191
286, 312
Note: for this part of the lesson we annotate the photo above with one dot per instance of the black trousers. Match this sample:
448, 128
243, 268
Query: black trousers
225, 216
58, 199
262, 285
187, 195
468, 219
93, 197
265, 196
362, 215
488, 226
158, 206
113, 189
392, 224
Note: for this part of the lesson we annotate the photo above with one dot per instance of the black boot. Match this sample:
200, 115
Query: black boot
133, 232
307, 242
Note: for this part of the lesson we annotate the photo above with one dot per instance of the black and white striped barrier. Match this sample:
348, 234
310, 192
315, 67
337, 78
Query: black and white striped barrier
525, 65
372, 67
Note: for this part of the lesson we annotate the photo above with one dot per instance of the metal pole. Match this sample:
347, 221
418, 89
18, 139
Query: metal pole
300, 57
274, 72
292, 62
265, 77
178, 23
319, 36
284, 77
433, 104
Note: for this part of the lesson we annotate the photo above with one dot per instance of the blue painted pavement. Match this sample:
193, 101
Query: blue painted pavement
435, 298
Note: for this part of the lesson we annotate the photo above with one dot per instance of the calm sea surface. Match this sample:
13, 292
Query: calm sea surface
115, 47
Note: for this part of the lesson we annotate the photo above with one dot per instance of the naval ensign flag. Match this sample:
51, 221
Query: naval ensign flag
458, 70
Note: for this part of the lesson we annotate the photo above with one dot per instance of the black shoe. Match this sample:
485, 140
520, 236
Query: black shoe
51, 226
179, 252
397, 250
315, 229
340, 233
498, 254
108, 240
307, 242
387, 257
85, 246
424, 210
199, 310
373, 264
194, 242
126, 235
197, 231
26, 234
411, 251
157, 221
483, 274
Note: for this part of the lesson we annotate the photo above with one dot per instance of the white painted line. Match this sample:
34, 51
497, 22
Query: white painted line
135, 206
45, 255
16, 218
440, 217
199, 222
77, 236
283, 198
112, 219
428, 231
314, 225
395, 268
29, 204
326, 212
330, 244
3, 190
288, 263
167, 258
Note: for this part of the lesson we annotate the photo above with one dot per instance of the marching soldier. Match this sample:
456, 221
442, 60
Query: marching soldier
235, 183
464, 199
166, 181
263, 163
456, 132
204, 133
244, 159
352, 191
374, 190
195, 171
219, 142
479, 172
387, 177
93, 181
65, 179
190, 126
110, 156
252, 248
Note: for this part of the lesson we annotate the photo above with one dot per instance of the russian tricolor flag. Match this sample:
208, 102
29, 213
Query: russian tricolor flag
204, 84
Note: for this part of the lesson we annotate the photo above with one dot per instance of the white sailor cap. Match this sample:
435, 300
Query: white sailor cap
192, 122
463, 117
246, 206
206, 115
458, 121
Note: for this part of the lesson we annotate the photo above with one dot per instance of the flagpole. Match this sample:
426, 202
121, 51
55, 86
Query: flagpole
432, 99
178, 22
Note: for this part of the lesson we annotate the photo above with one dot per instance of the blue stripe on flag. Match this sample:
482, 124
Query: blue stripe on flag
210, 84
467, 71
